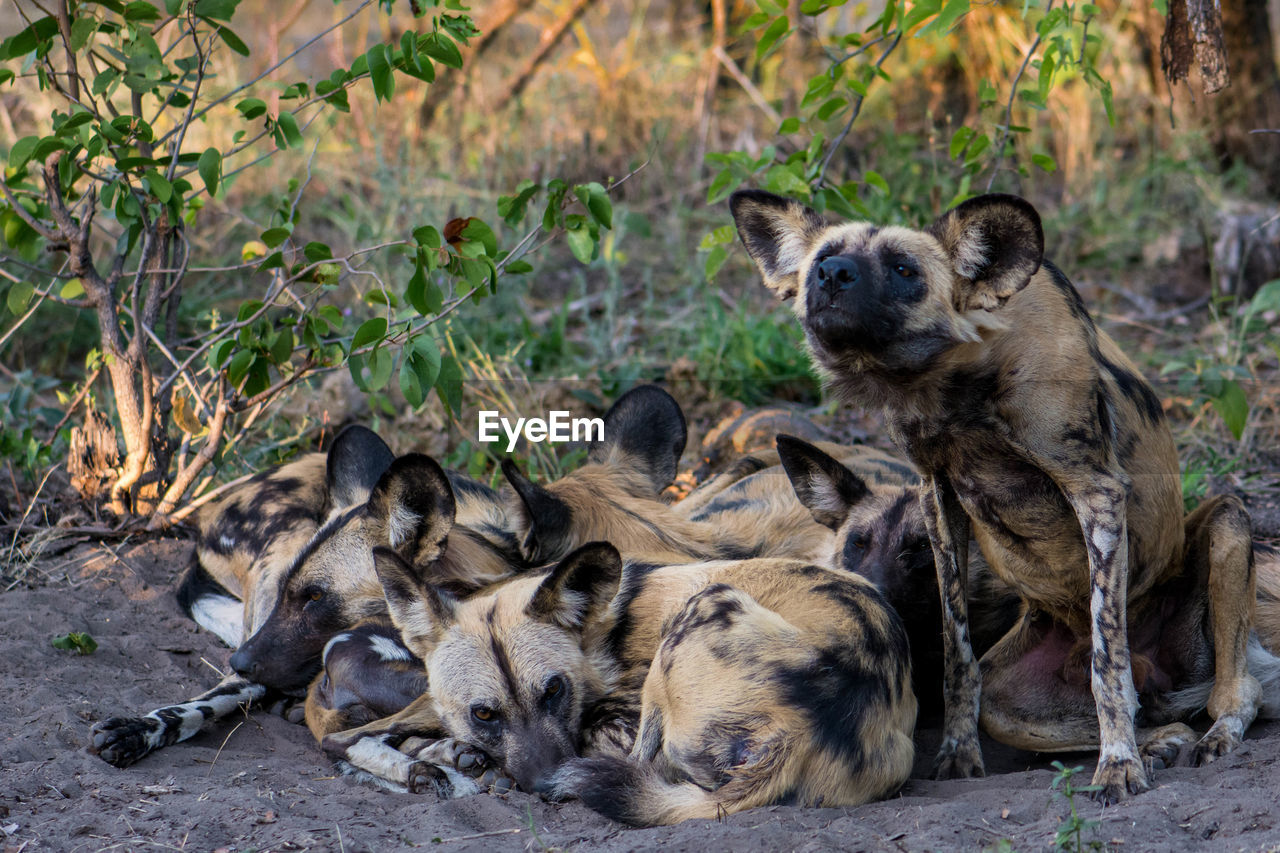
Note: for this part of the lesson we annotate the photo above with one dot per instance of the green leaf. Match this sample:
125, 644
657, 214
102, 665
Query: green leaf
959, 140
830, 108
218, 353
222, 10
1045, 162
1162, 6
715, 260
442, 49
19, 296
275, 236
160, 186
233, 41
251, 108
73, 289
315, 251
426, 353
21, 151
380, 72
210, 168
79, 642
875, 180
596, 200
581, 243
789, 125
371, 330
27, 40
239, 366
380, 365
1233, 406
476, 231
449, 384
721, 236
81, 30
771, 36
289, 133
140, 12
410, 386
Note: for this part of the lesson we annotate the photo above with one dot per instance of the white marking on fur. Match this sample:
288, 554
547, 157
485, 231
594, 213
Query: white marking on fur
970, 254
190, 717
401, 524
1264, 666
222, 615
328, 647
372, 755
388, 649
226, 541
1118, 751
1104, 539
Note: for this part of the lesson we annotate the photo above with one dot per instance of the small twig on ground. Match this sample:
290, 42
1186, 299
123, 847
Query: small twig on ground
224, 743
476, 835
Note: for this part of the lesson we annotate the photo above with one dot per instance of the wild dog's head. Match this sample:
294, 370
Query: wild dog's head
891, 298
880, 528
507, 668
614, 495
408, 505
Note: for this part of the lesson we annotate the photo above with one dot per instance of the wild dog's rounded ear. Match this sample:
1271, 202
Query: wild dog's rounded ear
995, 243
356, 460
548, 520
580, 584
419, 610
826, 487
413, 508
644, 429
778, 233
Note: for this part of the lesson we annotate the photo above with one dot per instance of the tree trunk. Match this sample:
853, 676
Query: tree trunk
1253, 100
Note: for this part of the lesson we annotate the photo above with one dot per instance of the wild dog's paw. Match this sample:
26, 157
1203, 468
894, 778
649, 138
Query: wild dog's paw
426, 778
959, 758
1223, 737
1117, 778
120, 741
1161, 749
291, 708
468, 769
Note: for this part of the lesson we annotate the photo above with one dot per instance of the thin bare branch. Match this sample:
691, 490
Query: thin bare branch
1008, 108
857, 108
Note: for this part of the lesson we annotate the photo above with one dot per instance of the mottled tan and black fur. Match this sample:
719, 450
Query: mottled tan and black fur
1032, 431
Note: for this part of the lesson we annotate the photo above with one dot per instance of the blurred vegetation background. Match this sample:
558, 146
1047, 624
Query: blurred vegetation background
1156, 199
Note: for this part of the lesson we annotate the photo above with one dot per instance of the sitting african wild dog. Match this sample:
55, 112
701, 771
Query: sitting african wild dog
881, 534
1030, 427
771, 681
294, 546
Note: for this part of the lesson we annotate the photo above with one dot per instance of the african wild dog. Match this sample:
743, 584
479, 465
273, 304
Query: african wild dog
881, 534
770, 681
247, 541
614, 497
1030, 426
323, 583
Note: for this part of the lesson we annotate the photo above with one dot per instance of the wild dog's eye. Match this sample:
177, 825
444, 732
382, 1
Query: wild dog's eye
903, 270
316, 594
555, 686
484, 714
860, 543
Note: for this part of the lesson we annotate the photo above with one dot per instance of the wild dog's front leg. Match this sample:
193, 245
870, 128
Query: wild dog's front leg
372, 749
1220, 549
960, 754
123, 740
1100, 508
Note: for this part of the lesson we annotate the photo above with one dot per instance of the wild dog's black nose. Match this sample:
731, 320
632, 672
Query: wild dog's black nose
245, 665
837, 273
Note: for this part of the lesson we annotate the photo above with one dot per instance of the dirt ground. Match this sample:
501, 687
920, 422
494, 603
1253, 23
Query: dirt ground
260, 783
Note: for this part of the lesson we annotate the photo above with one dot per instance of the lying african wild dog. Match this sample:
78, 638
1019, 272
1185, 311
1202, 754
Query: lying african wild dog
247, 540
305, 577
771, 681
881, 534
1030, 426
744, 512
